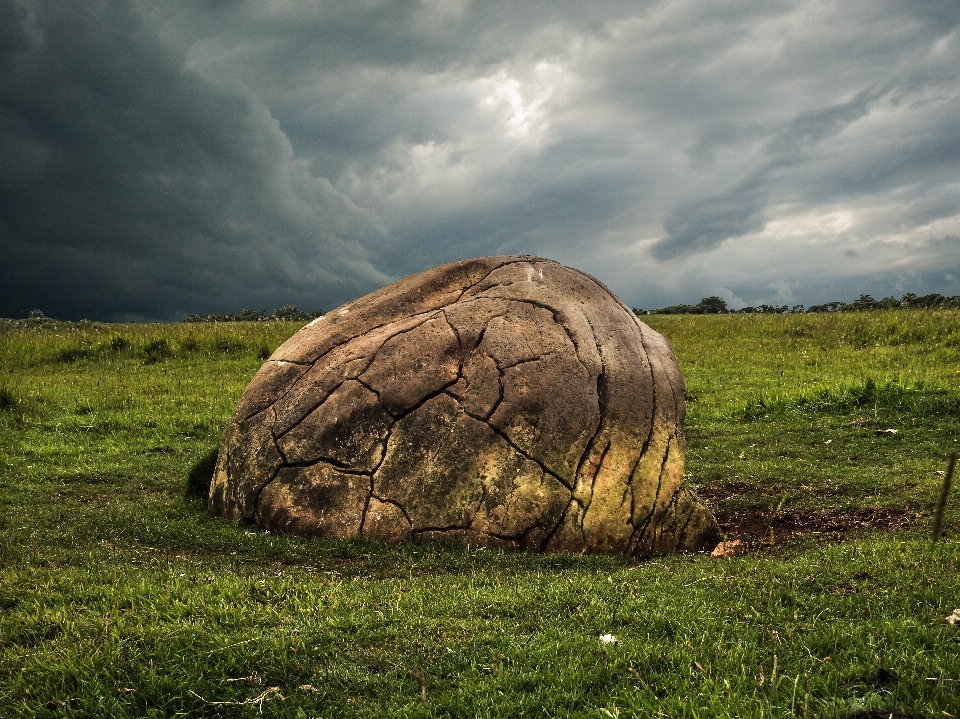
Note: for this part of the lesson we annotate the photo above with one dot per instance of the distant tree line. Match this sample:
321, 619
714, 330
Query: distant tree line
716, 306
287, 313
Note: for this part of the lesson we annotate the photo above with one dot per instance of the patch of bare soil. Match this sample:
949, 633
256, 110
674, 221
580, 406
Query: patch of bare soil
762, 528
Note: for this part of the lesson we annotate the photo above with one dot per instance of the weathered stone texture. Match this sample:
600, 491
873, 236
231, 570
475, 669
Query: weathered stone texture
503, 401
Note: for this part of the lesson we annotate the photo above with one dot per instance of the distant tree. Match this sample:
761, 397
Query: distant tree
712, 306
677, 310
828, 307
285, 313
288, 312
929, 301
864, 303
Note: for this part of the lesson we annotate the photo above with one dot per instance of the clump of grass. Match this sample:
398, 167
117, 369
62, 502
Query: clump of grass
157, 350
31, 344
8, 398
74, 353
228, 345
890, 397
119, 344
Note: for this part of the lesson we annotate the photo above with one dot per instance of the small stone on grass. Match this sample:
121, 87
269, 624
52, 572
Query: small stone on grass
733, 548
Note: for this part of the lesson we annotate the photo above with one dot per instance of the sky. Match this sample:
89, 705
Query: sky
166, 157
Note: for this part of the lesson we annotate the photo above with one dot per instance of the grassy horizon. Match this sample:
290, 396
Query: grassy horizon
121, 597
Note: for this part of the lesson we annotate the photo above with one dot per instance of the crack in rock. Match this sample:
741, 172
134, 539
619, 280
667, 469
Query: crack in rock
348, 427
504, 402
588, 449
343, 362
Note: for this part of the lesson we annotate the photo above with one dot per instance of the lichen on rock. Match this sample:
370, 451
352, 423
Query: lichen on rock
505, 402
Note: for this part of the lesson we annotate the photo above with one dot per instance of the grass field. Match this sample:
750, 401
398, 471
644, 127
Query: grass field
120, 597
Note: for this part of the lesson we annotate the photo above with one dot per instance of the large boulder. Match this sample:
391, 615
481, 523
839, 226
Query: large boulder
503, 402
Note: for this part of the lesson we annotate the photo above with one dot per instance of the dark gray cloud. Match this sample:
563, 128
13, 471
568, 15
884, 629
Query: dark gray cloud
159, 157
132, 187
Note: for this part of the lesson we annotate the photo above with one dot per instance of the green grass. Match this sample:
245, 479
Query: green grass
120, 597
784, 411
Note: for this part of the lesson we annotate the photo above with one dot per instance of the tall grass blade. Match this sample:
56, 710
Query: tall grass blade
944, 494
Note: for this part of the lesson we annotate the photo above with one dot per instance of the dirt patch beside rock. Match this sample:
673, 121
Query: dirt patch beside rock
758, 528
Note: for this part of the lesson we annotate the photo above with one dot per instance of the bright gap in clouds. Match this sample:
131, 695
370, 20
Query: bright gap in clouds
522, 103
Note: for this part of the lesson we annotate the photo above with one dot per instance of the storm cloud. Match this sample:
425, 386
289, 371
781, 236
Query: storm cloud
165, 157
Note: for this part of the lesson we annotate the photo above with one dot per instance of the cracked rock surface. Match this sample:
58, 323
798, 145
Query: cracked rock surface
505, 402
